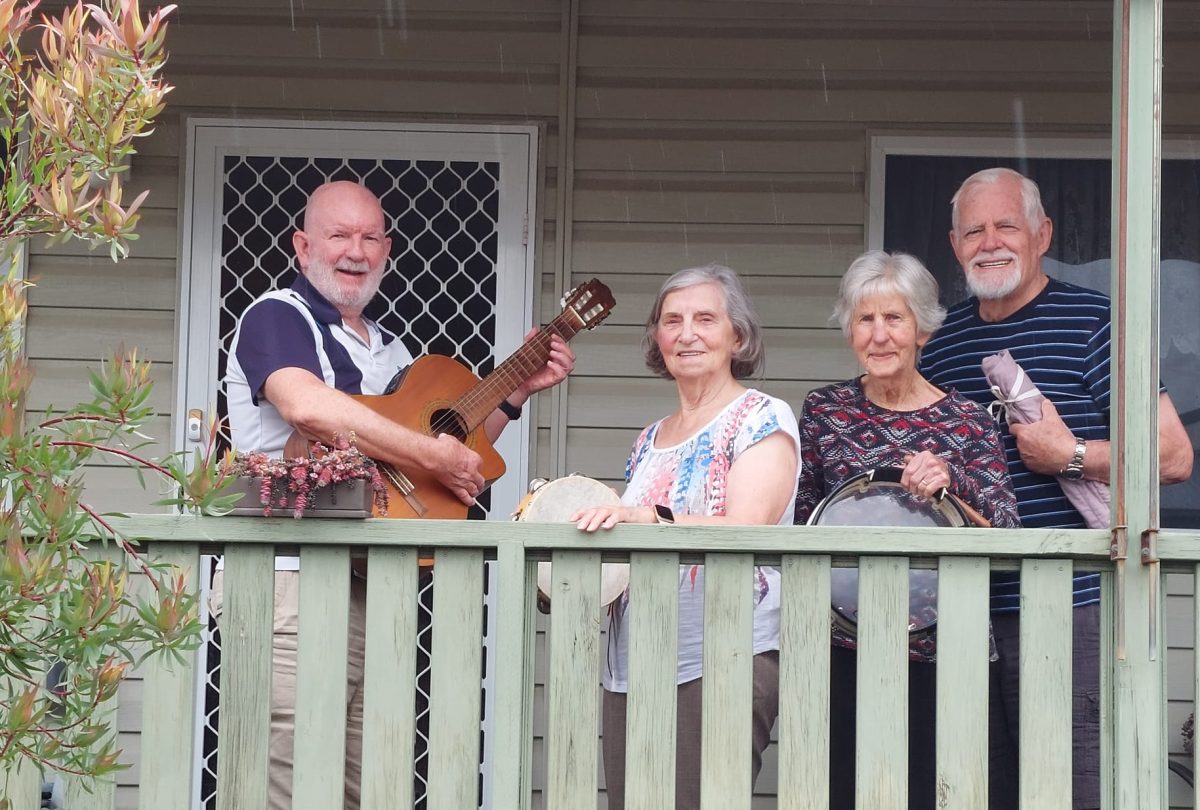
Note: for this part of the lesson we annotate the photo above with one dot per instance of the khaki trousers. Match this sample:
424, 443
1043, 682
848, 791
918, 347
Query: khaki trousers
284, 647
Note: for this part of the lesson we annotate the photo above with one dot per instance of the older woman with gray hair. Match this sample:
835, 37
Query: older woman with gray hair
726, 456
891, 416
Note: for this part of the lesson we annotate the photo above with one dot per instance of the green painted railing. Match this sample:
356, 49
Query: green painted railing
804, 555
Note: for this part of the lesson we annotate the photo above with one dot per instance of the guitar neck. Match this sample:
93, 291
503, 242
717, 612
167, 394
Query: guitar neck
477, 404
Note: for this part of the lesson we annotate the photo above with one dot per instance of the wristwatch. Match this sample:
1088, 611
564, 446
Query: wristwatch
663, 514
1074, 469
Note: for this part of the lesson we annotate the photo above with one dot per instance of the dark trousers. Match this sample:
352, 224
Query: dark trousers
1003, 711
689, 700
922, 723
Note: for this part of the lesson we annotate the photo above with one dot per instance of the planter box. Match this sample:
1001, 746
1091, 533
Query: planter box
350, 499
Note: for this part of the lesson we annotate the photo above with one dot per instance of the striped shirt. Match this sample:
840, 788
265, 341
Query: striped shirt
1061, 338
298, 328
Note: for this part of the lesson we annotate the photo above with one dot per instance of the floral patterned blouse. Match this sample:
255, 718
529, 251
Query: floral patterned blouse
691, 478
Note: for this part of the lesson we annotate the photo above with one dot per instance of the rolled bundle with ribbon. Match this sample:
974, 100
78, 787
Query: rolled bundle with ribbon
1019, 400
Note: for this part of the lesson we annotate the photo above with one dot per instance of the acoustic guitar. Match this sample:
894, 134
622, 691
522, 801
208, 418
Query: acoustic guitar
438, 395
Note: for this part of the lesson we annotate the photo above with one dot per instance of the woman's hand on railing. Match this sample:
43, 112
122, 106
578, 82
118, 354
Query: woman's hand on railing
605, 517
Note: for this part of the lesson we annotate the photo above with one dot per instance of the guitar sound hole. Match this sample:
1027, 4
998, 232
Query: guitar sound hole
447, 421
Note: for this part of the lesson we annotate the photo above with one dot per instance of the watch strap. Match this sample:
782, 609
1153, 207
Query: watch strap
508, 409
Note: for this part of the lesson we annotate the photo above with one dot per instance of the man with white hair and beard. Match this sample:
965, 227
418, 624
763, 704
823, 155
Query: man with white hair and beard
296, 356
1059, 334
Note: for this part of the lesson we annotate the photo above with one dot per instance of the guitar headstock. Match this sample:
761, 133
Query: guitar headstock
591, 302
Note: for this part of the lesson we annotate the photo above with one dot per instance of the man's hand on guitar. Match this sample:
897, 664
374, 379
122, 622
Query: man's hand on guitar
559, 364
456, 466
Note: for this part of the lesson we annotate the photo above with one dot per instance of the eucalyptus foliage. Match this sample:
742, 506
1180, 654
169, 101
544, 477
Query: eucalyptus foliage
69, 111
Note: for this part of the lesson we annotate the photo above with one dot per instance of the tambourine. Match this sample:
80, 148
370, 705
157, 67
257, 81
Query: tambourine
876, 498
554, 502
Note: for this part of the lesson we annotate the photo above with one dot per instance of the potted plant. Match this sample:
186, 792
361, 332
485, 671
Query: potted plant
333, 481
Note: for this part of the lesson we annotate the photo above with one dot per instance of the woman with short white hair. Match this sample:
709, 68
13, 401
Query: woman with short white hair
891, 416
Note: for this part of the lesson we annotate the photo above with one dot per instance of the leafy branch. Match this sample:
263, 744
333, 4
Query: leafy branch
70, 111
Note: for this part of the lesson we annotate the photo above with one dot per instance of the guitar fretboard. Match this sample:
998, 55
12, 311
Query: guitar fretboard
475, 405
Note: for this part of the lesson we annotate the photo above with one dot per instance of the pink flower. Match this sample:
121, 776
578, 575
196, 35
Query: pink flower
327, 465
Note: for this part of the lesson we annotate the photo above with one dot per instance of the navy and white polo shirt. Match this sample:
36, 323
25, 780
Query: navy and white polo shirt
1062, 340
299, 328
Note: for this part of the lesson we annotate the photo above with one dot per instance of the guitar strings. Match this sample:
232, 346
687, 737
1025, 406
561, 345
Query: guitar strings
504, 375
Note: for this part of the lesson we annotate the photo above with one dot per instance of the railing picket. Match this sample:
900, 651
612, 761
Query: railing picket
804, 683
728, 684
653, 654
1108, 634
514, 657
456, 661
86, 792
962, 683
1195, 678
320, 738
168, 711
1045, 733
245, 713
389, 679
22, 784
99, 793
881, 725
572, 716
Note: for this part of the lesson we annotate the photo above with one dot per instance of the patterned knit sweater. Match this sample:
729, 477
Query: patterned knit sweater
842, 433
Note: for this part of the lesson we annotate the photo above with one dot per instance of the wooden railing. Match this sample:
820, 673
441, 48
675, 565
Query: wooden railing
963, 557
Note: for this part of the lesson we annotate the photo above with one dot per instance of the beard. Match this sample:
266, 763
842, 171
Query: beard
323, 276
996, 283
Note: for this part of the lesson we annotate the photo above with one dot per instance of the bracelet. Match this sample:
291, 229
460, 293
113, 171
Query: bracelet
511, 411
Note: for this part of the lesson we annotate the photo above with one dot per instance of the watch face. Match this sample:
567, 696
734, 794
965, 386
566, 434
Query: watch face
1072, 475
664, 513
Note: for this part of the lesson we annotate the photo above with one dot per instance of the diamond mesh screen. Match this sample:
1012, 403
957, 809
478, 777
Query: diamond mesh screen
438, 297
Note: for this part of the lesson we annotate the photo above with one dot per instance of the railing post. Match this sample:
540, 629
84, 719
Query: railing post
455, 704
243, 754
168, 706
513, 724
728, 691
652, 709
1137, 725
389, 678
804, 652
572, 712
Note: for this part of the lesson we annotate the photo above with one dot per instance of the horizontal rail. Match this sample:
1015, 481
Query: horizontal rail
1177, 545
540, 539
